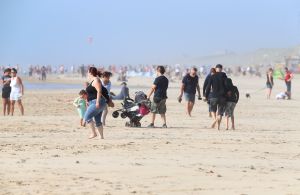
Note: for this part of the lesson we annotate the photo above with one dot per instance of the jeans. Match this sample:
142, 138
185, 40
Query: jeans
93, 112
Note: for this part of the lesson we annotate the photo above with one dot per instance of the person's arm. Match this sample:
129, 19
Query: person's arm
205, 85
21, 84
198, 90
291, 77
238, 95
181, 90
208, 87
98, 86
75, 103
151, 91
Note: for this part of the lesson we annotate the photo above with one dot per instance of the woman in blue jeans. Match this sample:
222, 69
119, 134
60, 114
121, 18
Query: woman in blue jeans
96, 103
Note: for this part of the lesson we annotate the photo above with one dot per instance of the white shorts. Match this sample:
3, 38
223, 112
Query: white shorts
15, 96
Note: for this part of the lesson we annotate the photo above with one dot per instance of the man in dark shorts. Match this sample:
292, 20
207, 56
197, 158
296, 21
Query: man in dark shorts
190, 83
159, 88
6, 91
216, 85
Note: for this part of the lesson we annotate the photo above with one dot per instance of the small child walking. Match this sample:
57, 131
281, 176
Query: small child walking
232, 99
80, 104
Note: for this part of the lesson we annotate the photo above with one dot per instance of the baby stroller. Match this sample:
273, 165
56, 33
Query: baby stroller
135, 109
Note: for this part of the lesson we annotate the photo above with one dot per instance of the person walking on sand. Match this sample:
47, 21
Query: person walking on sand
6, 89
212, 72
269, 83
17, 91
105, 81
80, 104
97, 98
159, 88
190, 83
216, 85
232, 98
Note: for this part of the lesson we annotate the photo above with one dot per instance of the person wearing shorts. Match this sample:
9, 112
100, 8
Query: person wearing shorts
159, 88
216, 89
232, 98
190, 83
6, 89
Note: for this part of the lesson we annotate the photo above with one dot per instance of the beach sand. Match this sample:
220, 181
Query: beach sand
46, 152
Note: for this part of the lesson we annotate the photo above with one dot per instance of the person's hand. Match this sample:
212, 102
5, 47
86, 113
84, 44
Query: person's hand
97, 105
179, 98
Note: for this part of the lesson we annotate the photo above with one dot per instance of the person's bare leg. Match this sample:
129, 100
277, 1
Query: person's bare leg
104, 114
227, 122
219, 119
214, 116
81, 122
93, 133
4, 102
232, 122
153, 118
12, 107
21, 107
8, 106
100, 130
190, 106
163, 117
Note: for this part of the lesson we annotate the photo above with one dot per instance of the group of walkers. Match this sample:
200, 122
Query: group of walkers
12, 91
218, 91
288, 76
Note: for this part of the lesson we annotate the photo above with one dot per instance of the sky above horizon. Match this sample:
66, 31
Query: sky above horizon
141, 32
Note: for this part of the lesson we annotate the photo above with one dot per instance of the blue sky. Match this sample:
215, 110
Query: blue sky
141, 31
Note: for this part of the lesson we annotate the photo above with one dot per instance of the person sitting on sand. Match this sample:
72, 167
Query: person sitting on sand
6, 89
159, 88
17, 91
232, 98
282, 96
124, 93
97, 98
190, 83
80, 104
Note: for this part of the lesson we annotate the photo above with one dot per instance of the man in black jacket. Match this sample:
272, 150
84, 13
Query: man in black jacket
217, 88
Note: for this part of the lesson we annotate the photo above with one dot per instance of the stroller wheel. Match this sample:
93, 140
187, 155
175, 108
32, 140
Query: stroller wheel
123, 115
138, 124
115, 114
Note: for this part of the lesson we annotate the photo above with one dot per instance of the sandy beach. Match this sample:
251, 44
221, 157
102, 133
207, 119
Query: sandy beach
47, 152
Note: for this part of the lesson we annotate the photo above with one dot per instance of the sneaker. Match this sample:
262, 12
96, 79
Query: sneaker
164, 126
151, 125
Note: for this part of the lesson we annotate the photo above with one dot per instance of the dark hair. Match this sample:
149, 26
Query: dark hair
286, 68
95, 72
213, 70
219, 66
107, 74
195, 69
82, 92
15, 70
161, 69
7, 70
270, 69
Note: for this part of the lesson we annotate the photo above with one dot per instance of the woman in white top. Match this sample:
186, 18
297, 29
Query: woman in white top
17, 91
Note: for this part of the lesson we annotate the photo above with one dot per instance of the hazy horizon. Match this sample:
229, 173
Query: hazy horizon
139, 32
